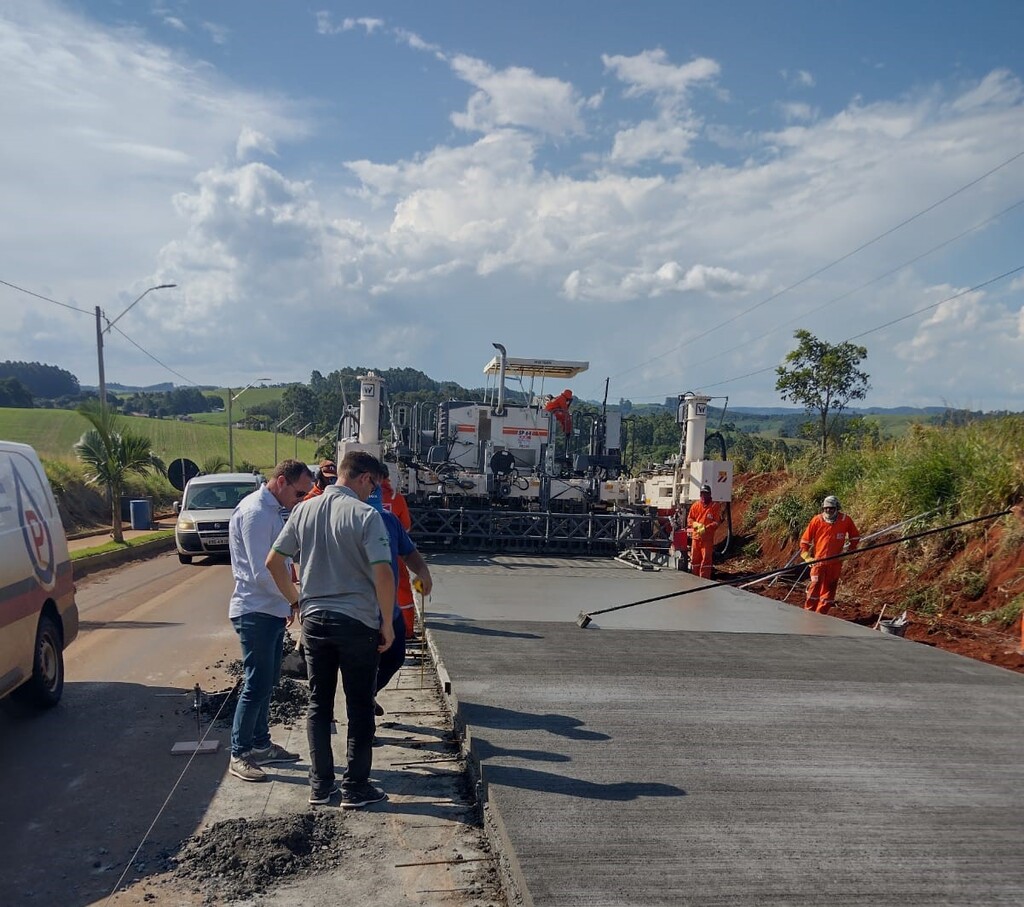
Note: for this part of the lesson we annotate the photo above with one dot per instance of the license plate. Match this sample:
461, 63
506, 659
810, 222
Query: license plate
216, 541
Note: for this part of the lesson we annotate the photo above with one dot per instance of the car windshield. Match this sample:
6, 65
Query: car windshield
223, 496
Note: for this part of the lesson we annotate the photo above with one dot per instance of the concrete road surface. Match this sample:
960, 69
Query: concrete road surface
722, 748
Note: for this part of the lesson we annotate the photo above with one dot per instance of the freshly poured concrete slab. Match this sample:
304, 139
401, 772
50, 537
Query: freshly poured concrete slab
795, 765
480, 587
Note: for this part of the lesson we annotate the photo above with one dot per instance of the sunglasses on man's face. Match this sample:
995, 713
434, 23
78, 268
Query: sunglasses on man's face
829, 509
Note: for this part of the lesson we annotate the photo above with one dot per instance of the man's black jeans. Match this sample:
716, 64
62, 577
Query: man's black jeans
334, 642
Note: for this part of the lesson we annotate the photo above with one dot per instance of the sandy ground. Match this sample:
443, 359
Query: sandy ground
263, 844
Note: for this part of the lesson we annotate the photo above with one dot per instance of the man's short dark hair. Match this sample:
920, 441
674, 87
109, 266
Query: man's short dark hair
357, 462
292, 470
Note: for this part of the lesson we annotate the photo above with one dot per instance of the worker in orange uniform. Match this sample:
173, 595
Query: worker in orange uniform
560, 407
702, 520
826, 535
326, 475
394, 502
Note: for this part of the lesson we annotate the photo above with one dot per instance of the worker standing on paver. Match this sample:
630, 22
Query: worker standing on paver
827, 534
702, 520
559, 406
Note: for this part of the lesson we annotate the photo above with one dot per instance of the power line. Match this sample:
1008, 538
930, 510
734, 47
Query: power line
151, 356
880, 327
826, 267
45, 298
863, 286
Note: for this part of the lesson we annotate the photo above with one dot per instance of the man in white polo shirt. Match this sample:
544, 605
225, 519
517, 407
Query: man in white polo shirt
348, 592
259, 613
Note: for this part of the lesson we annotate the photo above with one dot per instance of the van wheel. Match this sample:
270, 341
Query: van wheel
185, 558
46, 685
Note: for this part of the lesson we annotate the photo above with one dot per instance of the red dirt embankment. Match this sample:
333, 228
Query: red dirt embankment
952, 591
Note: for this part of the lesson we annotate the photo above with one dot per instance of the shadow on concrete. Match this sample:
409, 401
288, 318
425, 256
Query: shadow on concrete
479, 630
484, 749
478, 715
81, 784
551, 783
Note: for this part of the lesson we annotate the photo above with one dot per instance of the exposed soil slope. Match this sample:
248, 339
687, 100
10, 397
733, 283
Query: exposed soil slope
957, 590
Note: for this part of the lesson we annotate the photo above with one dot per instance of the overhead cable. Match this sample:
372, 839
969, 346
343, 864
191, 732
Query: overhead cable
45, 298
826, 267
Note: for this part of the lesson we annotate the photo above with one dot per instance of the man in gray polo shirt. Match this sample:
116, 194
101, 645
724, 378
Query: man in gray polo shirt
347, 593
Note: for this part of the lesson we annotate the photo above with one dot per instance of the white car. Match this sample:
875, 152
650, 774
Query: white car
205, 512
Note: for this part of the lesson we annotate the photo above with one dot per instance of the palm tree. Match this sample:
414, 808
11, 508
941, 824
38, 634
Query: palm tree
110, 453
212, 464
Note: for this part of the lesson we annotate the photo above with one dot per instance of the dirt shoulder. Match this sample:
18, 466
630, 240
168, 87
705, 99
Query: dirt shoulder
957, 590
264, 844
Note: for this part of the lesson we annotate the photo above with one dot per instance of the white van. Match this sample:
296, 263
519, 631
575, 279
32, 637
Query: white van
205, 512
38, 614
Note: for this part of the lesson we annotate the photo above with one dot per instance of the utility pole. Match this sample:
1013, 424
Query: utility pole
100, 331
99, 356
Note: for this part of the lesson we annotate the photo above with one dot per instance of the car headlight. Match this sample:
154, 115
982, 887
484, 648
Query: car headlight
185, 524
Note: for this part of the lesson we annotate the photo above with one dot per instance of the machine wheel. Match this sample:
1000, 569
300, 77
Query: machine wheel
185, 558
46, 685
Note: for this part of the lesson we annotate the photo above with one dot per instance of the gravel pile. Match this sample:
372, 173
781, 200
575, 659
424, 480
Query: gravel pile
287, 703
239, 858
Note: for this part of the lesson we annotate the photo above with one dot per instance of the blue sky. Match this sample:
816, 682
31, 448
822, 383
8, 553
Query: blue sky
665, 189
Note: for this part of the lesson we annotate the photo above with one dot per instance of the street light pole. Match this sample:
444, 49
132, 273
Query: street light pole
299, 432
100, 331
231, 437
279, 426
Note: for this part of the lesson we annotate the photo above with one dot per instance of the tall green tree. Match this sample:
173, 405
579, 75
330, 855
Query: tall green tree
822, 378
111, 452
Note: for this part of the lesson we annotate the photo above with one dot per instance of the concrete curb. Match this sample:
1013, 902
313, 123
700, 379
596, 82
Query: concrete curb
95, 562
513, 878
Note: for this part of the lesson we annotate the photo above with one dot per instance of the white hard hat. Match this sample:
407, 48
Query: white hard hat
830, 501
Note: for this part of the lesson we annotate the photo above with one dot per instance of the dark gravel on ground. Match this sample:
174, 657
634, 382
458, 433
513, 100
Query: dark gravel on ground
239, 858
287, 703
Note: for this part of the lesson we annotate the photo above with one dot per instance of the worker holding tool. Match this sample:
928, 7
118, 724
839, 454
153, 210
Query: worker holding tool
560, 407
702, 520
827, 534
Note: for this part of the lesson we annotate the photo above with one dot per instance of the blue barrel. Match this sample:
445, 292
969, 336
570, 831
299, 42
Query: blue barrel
141, 515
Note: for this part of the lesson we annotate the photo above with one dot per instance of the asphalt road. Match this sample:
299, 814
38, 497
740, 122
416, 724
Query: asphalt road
81, 784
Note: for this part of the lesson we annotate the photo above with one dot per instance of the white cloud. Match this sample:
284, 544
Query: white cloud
516, 96
175, 23
219, 34
650, 72
326, 25
665, 139
799, 78
794, 111
250, 141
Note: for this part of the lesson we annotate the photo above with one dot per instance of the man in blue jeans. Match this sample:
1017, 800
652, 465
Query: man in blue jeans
348, 593
260, 612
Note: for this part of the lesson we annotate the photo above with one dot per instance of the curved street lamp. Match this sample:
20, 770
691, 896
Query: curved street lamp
279, 426
231, 440
299, 432
100, 331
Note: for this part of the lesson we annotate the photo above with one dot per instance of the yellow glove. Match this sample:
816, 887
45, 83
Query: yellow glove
807, 556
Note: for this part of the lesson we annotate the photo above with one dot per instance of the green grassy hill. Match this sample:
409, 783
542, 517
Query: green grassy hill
52, 432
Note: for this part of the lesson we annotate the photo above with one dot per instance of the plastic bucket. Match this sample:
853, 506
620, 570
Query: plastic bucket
892, 627
141, 515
